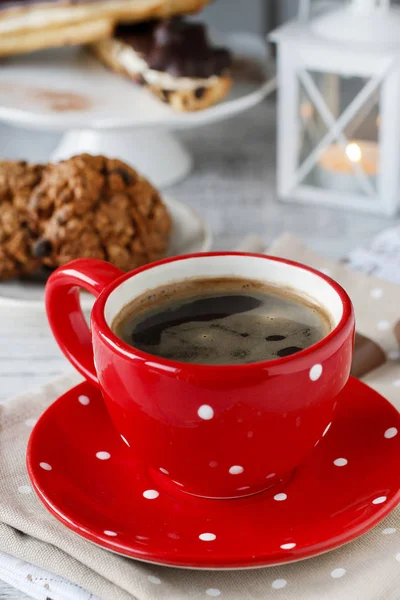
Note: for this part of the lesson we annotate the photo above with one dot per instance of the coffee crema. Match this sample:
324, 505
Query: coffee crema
224, 321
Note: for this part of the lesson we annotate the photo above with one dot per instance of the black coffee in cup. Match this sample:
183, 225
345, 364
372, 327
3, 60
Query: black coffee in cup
224, 321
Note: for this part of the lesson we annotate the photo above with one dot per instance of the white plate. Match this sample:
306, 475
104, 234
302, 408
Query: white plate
37, 89
189, 234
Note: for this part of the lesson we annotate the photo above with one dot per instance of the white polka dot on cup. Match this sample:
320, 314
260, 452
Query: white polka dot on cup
288, 546
280, 497
102, 455
389, 530
379, 500
24, 489
315, 372
390, 433
205, 412
154, 579
207, 537
236, 470
383, 325
213, 592
340, 462
279, 584
338, 573
376, 293
110, 533
45, 466
151, 494
84, 400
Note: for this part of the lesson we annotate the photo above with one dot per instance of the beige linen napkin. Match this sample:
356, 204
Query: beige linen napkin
368, 568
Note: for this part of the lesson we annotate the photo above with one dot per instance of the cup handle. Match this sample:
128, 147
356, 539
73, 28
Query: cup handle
64, 311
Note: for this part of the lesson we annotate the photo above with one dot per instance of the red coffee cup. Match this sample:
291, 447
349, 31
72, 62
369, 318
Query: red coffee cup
213, 431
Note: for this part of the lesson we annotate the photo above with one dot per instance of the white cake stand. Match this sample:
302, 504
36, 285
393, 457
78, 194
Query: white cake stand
103, 113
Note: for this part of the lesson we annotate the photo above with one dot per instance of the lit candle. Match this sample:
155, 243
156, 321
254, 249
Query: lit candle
337, 165
306, 111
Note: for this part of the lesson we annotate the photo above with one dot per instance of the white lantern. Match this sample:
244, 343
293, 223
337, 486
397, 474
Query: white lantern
339, 107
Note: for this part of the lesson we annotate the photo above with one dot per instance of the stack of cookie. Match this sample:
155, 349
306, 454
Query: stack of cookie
87, 206
146, 40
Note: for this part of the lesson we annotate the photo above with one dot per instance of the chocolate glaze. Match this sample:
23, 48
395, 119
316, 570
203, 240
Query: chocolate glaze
175, 46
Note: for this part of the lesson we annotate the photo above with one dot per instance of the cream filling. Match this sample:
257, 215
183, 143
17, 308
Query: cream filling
135, 65
41, 16
126, 57
169, 82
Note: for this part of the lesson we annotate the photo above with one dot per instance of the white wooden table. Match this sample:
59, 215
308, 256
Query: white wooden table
232, 186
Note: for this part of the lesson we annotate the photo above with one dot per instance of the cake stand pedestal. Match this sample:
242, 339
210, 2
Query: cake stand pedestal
155, 153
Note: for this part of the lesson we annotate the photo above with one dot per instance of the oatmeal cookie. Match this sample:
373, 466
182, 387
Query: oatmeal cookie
17, 180
95, 207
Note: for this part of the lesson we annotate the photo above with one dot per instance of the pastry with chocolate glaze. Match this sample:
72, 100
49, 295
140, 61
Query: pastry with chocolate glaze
173, 58
96, 207
17, 180
29, 25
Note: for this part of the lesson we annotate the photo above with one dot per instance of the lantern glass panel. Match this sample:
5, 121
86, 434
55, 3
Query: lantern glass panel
338, 144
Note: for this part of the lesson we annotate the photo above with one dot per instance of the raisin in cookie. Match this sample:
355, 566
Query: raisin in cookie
95, 207
17, 180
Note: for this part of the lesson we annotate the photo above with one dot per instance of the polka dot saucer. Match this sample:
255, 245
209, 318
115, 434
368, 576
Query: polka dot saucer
88, 478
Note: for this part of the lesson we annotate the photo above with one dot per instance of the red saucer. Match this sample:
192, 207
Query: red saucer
88, 478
